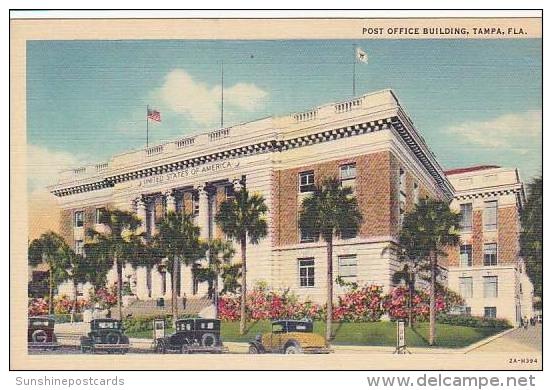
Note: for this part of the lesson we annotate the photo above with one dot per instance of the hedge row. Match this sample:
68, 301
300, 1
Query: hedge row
473, 322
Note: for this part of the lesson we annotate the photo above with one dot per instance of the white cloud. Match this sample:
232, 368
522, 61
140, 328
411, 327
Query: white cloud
517, 131
44, 165
185, 95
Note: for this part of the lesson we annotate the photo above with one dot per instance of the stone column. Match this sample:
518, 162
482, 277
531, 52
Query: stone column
203, 217
171, 201
141, 212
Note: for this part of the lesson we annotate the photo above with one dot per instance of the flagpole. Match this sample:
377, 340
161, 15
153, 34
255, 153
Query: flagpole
147, 126
354, 69
221, 94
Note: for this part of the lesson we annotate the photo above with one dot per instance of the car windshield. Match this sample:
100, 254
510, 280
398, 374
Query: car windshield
184, 326
107, 325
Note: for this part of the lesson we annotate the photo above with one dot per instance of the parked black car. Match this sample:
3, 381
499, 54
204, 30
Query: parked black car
107, 335
192, 335
40, 333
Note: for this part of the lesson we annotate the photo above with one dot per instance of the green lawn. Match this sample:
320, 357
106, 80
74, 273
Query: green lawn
369, 333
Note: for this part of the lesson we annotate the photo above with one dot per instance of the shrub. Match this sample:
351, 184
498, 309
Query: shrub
37, 307
263, 304
474, 322
359, 304
395, 303
104, 297
139, 324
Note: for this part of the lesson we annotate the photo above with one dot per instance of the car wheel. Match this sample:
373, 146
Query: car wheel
292, 349
113, 338
208, 340
39, 336
253, 350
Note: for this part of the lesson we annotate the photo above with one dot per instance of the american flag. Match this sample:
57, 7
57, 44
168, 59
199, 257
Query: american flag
154, 115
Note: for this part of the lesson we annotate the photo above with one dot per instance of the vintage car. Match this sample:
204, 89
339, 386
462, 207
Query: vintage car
105, 335
192, 335
289, 337
40, 333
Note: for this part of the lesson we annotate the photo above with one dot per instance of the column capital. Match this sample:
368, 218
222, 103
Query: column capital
201, 188
237, 183
140, 202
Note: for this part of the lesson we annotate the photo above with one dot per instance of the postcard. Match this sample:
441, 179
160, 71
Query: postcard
216, 193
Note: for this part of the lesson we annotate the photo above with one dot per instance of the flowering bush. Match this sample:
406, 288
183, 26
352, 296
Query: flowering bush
64, 305
263, 304
104, 297
395, 303
38, 307
360, 304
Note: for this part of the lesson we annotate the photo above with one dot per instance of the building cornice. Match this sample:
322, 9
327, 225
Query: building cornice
107, 178
488, 192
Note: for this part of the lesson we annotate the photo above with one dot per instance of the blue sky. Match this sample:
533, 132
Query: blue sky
474, 101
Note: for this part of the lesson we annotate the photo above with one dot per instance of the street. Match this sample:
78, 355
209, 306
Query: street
518, 349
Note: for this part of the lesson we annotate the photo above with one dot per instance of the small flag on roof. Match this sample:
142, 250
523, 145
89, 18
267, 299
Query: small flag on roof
361, 55
154, 115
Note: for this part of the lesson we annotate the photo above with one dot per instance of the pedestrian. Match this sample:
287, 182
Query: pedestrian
525, 322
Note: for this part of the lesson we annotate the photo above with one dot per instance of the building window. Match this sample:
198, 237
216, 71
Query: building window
489, 251
347, 266
79, 247
306, 272
490, 286
402, 207
490, 312
466, 217
347, 171
416, 193
466, 287
195, 204
465, 255
306, 181
79, 218
229, 192
491, 208
307, 237
80, 290
100, 212
402, 180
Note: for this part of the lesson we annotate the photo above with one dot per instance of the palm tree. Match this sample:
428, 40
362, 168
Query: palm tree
428, 230
79, 271
49, 248
178, 240
531, 235
220, 254
242, 218
119, 243
329, 211
231, 275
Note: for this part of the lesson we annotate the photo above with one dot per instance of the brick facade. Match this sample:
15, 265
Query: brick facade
377, 188
508, 235
477, 238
